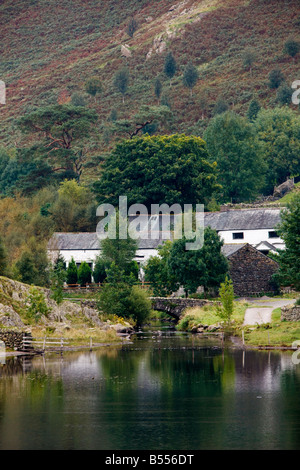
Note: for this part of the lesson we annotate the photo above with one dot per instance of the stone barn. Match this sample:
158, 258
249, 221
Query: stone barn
250, 270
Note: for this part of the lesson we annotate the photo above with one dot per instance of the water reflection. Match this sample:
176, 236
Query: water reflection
161, 391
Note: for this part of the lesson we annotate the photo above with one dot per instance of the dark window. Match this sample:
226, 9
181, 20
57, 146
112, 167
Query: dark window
273, 234
238, 236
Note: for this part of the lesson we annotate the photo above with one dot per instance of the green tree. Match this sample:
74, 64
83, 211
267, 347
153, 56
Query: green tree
276, 77
84, 274
284, 94
33, 265
99, 273
157, 88
158, 169
278, 132
289, 259
132, 27
170, 66
36, 304
72, 273
249, 57
61, 130
206, 267
253, 110
190, 77
120, 297
146, 116
291, 47
3, 258
121, 80
57, 279
220, 107
232, 143
157, 274
93, 86
120, 251
226, 294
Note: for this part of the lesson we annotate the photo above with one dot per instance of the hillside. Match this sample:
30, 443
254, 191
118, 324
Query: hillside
50, 49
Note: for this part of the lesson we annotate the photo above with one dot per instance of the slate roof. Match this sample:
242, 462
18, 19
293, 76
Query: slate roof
89, 241
229, 249
243, 219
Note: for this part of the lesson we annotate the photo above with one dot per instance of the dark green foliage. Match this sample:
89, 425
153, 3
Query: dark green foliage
61, 130
3, 258
93, 86
33, 267
276, 77
78, 99
99, 273
291, 47
170, 66
205, 267
220, 107
253, 110
157, 88
122, 298
121, 80
158, 169
249, 57
72, 273
232, 143
84, 274
157, 274
57, 278
278, 131
284, 94
190, 76
289, 259
132, 27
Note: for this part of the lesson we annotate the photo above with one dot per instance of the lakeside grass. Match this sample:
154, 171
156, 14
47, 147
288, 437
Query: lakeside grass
208, 315
277, 333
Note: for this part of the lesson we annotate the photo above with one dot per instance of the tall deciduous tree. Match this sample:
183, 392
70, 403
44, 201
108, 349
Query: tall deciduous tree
289, 259
190, 76
291, 47
278, 132
232, 143
170, 66
121, 80
93, 86
158, 169
206, 267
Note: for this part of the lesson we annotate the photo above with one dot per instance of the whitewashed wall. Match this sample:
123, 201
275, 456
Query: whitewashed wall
253, 237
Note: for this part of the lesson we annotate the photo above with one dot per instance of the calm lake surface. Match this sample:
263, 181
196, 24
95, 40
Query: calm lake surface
164, 390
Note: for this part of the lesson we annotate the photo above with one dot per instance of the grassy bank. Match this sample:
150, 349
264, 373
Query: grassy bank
277, 333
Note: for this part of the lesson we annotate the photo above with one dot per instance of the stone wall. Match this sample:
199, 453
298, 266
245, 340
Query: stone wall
290, 313
251, 272
13, 340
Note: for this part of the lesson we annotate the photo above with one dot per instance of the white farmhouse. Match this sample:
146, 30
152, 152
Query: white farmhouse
256, 227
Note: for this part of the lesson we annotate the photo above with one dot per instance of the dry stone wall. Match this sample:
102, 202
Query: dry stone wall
290, 313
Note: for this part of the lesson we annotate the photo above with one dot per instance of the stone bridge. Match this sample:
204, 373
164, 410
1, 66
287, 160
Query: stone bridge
175, 306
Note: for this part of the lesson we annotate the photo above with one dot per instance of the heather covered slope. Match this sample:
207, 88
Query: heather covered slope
50, 49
